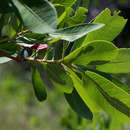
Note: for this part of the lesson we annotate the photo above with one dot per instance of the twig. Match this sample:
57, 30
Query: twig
40, 60
10, 39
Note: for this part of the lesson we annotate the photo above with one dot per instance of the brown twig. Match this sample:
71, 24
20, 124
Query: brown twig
30, 59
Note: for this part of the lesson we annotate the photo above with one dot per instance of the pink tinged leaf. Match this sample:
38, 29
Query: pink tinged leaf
39, 46
35, 46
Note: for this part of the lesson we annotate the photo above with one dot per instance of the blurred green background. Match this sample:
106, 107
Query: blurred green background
19, 109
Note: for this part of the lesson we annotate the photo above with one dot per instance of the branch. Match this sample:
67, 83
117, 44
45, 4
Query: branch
41, 61
30, 59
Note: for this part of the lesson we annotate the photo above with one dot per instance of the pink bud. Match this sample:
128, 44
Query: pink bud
35, 46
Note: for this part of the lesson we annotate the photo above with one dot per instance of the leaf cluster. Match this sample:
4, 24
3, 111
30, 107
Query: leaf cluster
76, 57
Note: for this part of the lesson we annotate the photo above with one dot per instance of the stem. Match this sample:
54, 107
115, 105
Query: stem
40, 60
8, 39
22, 32
27, 59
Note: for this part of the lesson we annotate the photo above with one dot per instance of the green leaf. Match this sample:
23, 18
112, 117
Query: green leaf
78, 43
38, 85
119, 65
54, 40
66, 3
116, 96
95, 100
8, 47
116, 81
83, 92
78, 105
64, 15
59, 77
75, 32
96, 52
78, 18
38, 16
113, 26
44, 76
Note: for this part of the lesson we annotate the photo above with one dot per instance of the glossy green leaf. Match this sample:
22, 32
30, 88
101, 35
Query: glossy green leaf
38, 16
96, 52
120, 64
75, 32
113, 26
78, 105
59, 77
95, 100
38, 85
116, 96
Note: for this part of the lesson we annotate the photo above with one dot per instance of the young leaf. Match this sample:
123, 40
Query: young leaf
38, 85
75, 32
78, 105
96, 52
66, 14
78, 18
113, 26
38, 16
118, 65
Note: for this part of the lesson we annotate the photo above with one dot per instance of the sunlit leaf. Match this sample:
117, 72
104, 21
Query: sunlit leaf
119, 65
116, 96
113, 26
96, 100
96, 52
